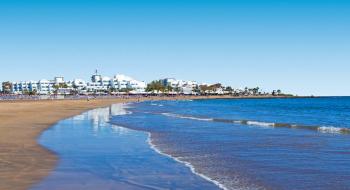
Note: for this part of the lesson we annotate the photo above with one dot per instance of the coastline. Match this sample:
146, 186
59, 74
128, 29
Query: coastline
23, 161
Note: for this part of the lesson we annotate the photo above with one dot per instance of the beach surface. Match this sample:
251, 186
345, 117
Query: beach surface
23, 161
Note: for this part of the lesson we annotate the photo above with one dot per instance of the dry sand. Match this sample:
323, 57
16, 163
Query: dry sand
22, 161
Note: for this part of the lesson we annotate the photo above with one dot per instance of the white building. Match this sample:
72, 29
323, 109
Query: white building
121, 82
79, 84
180, 86
95, 87
33, 86
59, 80
98, 84
105, 82
170, 82
45, 87
20, 87
137, 86
24, 86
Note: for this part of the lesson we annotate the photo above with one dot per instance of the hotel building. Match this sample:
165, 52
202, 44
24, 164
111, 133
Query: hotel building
98, 84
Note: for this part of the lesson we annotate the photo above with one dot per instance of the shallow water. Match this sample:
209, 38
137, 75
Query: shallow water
94, 154
253, 143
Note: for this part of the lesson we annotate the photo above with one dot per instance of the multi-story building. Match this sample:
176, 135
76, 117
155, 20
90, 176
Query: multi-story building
42, 87
180, 86
59, 86
33, 86
79, 84
20, 87
120, 82
95, 87
45, 87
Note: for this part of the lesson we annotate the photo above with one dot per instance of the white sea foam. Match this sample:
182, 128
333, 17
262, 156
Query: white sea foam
330, 129
187, 117
322, 129
187, 164
160, 105
185, 100
261, 124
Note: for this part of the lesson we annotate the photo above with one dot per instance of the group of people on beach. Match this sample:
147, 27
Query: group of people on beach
11, 97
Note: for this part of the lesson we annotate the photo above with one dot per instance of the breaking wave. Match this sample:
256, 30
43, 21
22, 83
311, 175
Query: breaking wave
322, 129
186, 117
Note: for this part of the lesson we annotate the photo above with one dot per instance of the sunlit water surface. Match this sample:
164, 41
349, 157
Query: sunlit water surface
94, 154
300, 143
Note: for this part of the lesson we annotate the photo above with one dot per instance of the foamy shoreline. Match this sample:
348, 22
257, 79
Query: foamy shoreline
187, 164
124, 111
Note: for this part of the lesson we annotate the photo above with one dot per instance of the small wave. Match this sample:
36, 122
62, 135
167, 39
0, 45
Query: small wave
322, 129
160, 105
330, 129
187, 117
185, 100
262, 124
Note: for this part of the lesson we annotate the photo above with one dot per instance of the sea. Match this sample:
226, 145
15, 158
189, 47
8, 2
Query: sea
286, 143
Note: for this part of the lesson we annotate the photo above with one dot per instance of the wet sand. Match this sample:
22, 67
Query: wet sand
22, 161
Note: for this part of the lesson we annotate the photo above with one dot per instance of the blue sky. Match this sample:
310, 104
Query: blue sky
299, 46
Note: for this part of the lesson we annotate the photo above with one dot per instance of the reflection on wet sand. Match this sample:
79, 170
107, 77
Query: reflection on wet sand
95, 154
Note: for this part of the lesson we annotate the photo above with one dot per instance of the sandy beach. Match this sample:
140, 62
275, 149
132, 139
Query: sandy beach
22, 161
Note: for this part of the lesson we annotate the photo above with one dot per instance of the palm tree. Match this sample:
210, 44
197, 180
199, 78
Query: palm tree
255, 90
56, 87
246, 90
169, 88
229, 89
6, 87
75, 89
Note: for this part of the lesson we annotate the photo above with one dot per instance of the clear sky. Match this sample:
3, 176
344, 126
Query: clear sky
299, 46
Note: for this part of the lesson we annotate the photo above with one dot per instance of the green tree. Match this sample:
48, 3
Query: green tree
126, 90
33, 92
56, 88
6, 87
256, 90
197, 89
155, 86
203, 88
168, 88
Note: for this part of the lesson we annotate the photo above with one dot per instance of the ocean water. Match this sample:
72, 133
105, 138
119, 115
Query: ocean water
97, 155
252, 143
